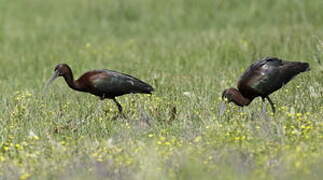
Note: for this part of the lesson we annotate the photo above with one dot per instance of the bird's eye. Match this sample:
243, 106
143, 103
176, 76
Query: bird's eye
265, 66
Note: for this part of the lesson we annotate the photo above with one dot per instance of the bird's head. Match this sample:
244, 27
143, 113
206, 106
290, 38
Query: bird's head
228, 94
60, 70
227, 97
234, 95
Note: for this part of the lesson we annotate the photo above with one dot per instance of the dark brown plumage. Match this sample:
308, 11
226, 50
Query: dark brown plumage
263, 78
103, 83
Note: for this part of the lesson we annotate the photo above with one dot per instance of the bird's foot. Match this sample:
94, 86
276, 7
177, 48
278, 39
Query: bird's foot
120, 116
264, 113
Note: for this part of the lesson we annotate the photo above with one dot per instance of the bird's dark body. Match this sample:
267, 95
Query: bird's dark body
103, 83
109, 84
263, 78
268, 75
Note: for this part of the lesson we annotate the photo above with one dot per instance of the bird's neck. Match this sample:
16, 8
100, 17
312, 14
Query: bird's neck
240, 100
70, 81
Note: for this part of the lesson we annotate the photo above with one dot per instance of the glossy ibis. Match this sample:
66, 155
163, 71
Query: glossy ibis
103, 83
263, 78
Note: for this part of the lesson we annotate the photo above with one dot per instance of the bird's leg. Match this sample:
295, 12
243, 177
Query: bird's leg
119, 107
271, 104
99, 110
118, 104
263, 112
263, 106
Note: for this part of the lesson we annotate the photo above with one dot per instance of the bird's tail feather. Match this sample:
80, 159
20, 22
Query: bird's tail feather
145, 88
291, 69
297, 67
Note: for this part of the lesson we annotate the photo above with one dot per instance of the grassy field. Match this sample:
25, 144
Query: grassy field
190, 51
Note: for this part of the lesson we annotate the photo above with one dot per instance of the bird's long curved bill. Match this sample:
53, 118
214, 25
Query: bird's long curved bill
222, 107
52, 78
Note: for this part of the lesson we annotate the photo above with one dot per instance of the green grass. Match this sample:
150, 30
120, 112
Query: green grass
195, 46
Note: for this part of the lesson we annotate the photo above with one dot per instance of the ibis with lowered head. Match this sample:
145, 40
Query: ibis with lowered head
263, 78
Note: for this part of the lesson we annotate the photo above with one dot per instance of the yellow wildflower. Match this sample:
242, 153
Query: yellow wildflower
24, 176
